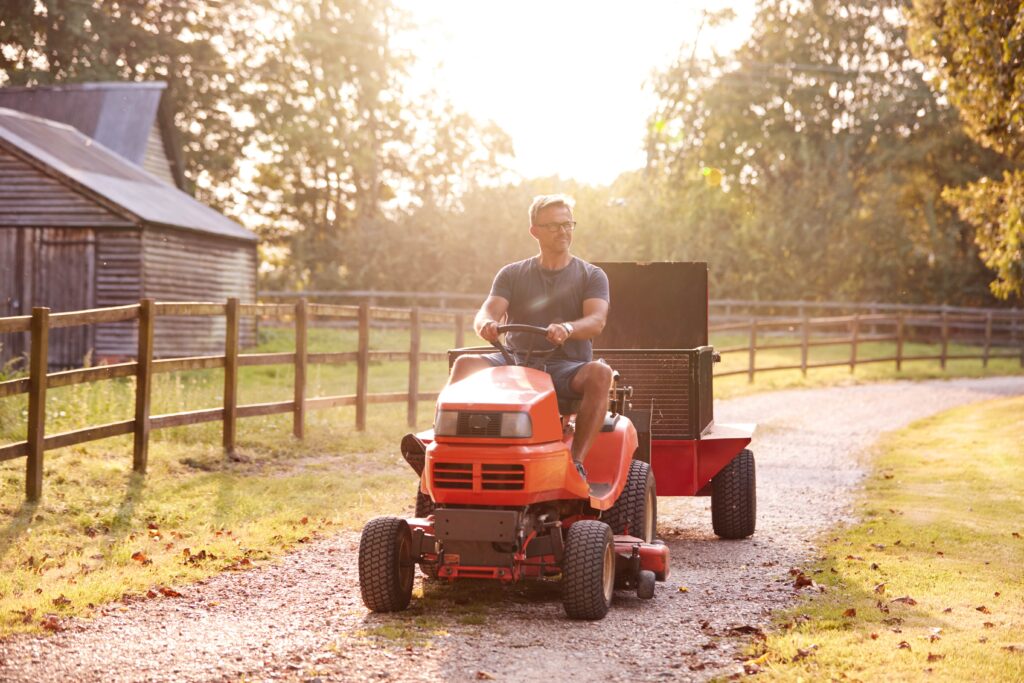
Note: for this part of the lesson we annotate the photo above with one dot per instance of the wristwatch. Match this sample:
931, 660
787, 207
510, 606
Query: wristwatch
569, 329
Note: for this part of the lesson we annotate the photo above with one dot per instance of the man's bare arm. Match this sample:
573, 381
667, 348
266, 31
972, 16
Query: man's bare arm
489, 316
595, 315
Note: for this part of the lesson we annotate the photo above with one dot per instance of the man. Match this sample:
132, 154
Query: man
566, 295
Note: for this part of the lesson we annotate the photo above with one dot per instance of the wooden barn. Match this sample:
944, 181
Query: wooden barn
87, 224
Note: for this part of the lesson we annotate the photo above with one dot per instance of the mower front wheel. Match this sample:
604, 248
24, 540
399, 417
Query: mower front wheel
588, 573
386, 564
734, 498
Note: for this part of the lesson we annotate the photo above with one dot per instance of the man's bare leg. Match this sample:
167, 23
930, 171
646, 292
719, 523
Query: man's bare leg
592, 381
465, 366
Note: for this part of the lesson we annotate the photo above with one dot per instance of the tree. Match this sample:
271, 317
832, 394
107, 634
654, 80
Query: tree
833, 151
978, 49
183, 43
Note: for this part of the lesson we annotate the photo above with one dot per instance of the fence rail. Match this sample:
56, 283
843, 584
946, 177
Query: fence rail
301, 313
1000, 334
1002, 339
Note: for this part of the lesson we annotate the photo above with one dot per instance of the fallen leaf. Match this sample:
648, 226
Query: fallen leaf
933, 657
878, 546
880, 588
997, 594
906, 600
1016, 535
850, 613
304, 520
983, 639
744, 629
480, 675
169, 592
151, 594
933, 637
803, 653
984, 610
904, 645
989, 624
51, 622
874, 565
940, 553
802, 581
684, 589
854, 557
874, 636
141, 558
699, 666
61, 601
898, 542
1014, 647
947, 610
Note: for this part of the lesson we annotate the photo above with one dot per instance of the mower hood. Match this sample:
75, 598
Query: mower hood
508, 389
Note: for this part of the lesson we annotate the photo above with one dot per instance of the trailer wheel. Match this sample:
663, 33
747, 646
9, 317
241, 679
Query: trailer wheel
636, 511
386, 565
588, 570
734, 498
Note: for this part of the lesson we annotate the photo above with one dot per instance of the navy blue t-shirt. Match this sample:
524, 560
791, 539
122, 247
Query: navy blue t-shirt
538, 296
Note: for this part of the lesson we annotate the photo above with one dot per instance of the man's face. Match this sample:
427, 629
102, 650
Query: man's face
556, 240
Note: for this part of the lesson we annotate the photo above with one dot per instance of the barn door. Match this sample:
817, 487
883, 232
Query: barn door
62, 279
12, 289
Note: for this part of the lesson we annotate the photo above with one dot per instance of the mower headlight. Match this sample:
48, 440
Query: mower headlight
516, 425
446, 423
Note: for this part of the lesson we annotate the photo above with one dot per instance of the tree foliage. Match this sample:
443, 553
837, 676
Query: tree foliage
978, 48
49, 42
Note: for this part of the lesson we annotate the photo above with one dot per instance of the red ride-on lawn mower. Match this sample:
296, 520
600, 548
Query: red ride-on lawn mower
500, 497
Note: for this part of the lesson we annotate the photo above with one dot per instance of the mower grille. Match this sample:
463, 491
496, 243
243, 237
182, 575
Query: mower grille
478, 424
493, 477
502, 477
453, 475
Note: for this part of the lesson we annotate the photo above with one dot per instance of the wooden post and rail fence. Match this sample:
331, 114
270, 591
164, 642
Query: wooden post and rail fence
999, 334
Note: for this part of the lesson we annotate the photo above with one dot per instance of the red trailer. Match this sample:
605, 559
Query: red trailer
500, 498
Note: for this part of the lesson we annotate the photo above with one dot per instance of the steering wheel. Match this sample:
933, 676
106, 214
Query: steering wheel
509, 354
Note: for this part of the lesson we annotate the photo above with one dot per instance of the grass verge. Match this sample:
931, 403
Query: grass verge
931, 582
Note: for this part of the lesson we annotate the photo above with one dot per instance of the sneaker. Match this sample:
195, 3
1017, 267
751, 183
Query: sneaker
581, 470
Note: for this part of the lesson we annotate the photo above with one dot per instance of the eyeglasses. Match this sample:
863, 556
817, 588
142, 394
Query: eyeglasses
568, 226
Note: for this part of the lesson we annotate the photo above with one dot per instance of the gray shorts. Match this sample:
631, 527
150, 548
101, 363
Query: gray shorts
562, 370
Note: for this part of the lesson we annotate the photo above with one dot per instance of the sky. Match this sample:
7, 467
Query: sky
568, 80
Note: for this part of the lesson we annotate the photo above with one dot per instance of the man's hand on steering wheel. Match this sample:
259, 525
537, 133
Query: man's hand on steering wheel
489, 331
510, 356
557, 334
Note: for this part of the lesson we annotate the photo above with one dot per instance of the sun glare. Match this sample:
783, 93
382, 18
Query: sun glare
567, 80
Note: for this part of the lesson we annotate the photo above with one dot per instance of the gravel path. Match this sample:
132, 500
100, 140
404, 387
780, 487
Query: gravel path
302, 619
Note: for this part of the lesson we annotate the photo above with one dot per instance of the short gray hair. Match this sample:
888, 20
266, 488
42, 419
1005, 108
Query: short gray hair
543, 201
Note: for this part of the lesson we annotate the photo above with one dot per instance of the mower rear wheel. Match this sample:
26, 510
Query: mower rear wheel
636, 511
588, 572
386, 564
734, 498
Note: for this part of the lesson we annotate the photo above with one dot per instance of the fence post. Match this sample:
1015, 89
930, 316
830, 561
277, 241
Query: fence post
460, 330
988, 339
854, 338
230, 374
899, 341
301, 346
39, 361
363, 367
414, 364
753, 347
143, 384
805, 334
945, 338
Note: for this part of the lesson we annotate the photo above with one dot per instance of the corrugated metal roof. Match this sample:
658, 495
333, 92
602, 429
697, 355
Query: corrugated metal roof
118, 115
75, 156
